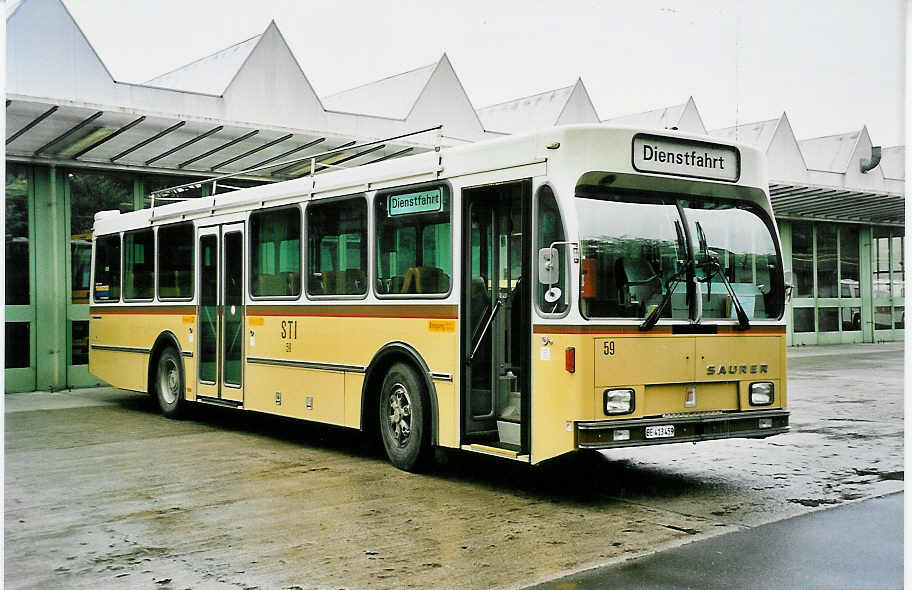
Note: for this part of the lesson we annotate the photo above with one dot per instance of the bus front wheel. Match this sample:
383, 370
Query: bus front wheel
404, 423
169, 383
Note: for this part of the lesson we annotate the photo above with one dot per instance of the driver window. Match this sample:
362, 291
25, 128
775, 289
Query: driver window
550, 230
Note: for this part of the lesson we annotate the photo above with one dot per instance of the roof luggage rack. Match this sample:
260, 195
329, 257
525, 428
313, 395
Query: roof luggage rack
317, 164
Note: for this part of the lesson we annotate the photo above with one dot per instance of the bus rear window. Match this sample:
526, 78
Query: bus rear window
139, 264
107, 269
337, 248
175, 261
275, 244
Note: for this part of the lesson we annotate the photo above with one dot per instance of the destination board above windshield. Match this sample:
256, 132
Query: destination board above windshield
665, 155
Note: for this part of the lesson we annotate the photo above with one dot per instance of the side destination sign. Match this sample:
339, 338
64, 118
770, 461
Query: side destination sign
423, 202
665, 155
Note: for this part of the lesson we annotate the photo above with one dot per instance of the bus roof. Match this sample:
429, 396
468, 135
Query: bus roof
568, 149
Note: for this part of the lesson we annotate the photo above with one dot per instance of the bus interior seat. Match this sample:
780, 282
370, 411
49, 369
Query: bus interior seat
351, 281
425, 279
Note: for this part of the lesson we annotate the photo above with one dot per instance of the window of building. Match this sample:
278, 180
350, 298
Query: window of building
175, 261
851, 319
414, 242
337, 247
804, 319
17, 235
79, 333
882, 317
828, 319
899, 317
550, 230
880, 250
17, 345
803, 259
275, 257
826, 260
107, 269
139, 264
91, 192
897, 288
849, 285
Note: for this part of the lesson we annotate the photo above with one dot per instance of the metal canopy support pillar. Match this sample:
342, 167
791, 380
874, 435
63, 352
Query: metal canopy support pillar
866, 280
50, 279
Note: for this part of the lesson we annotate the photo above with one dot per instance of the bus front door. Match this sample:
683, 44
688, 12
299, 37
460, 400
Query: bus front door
220, 347
496, 319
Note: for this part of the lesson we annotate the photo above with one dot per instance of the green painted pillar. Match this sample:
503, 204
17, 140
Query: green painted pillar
866, 280
50, 278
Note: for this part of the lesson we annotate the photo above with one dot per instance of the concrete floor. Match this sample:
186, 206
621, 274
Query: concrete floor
101, 491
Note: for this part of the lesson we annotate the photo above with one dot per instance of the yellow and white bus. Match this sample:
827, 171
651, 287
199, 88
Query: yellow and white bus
582, 287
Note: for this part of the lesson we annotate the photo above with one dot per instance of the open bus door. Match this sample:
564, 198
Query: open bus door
496, 319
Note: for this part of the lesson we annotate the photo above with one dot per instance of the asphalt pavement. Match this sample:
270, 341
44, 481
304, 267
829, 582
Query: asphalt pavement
855, 546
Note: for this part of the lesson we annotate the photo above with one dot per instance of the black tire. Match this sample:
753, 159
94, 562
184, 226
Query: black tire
168, 383
404, 419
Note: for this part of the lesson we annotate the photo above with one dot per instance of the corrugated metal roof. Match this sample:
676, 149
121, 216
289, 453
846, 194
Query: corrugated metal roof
526, 113
758, 134
391, 97
823, 202
893, 162
210, 74
830, 153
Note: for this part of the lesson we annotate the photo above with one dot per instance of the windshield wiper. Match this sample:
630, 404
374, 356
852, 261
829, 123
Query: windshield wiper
716, 268
670, 284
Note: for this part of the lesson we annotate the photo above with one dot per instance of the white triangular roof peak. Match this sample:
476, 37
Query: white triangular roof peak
537, 111
210, 74
39, 34
443, 100
683, 117
392, 97
832, 153
290, 100
758, 134
578, 108
893, 162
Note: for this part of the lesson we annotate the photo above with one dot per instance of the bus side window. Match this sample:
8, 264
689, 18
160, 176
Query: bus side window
107, 269
139, 259
414, 241
175, 262
275, 251
337, 240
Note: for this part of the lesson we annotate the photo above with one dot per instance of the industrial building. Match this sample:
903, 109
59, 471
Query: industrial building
78, 141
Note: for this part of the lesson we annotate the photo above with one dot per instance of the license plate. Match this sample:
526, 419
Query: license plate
665, 431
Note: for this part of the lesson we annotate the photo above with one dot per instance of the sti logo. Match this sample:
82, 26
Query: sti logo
731, 369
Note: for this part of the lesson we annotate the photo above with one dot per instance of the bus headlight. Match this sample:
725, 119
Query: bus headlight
619, 401
761, 394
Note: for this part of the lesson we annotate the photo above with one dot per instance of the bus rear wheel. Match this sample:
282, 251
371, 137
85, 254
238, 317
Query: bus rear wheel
404, 423
169, 383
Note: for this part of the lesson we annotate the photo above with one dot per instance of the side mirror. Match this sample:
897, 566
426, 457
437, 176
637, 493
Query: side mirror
548, 266
789, 285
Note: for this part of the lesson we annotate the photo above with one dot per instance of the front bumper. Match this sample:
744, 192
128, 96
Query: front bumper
599, 434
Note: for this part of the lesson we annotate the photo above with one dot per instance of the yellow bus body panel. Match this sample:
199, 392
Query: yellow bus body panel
659, 367
129, 337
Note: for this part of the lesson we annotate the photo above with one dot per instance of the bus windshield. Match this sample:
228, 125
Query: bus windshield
635, 248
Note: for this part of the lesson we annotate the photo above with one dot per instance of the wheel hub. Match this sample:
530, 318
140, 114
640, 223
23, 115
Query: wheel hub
399, 414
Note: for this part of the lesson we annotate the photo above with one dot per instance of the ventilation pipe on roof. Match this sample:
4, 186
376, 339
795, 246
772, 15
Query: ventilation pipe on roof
869, 164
